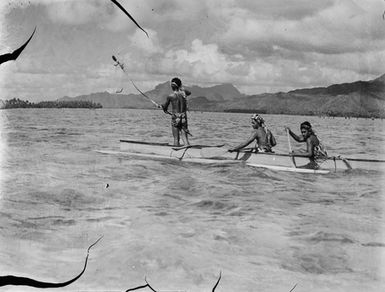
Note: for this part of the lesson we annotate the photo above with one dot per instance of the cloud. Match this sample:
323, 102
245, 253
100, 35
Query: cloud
278, 9
201, 60
206, 64
75, 12
145, 46
337, 28
102, 13
49, 85
366, 63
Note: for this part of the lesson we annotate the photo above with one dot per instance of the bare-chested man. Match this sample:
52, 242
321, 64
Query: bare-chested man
314, 149
178, 102
263, 136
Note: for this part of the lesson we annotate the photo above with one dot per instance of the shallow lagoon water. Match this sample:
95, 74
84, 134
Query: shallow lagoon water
181, 224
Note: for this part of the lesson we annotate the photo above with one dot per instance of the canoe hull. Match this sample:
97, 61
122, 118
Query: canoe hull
278, 161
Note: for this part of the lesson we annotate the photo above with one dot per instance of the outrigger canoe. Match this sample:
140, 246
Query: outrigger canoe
219, 154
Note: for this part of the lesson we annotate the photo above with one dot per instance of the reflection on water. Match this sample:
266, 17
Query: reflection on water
180, 224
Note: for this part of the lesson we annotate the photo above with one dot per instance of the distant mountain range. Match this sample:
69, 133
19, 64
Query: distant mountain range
360, 98
199, 98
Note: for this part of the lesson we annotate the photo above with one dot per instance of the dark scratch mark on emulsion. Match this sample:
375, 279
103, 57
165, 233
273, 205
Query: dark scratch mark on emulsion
23, 281
128, 14
148, 285
15, 54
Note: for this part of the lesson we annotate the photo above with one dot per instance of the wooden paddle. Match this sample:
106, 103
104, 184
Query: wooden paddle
196, 146
290, 150
206, 151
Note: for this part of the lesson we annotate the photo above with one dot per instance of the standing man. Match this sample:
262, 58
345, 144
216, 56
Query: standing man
178, 100
265, 140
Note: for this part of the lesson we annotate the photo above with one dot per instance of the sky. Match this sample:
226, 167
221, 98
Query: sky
258, 46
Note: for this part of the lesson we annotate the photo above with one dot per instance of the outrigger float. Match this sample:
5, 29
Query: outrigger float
219, 154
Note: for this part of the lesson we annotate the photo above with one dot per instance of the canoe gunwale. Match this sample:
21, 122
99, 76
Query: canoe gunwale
176, 148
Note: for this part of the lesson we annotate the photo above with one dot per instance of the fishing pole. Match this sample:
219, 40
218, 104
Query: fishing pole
121, 65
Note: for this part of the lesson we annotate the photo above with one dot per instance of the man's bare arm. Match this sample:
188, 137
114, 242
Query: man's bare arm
295, 137
166, 104
247, 142
308, 152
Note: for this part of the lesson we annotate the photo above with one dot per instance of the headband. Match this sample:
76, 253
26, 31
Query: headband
257, 118
305, 126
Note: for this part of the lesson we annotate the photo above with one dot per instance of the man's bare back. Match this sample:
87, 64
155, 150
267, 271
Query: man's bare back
177, 101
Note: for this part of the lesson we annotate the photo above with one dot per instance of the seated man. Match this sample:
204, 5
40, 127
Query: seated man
314, 149
265, 140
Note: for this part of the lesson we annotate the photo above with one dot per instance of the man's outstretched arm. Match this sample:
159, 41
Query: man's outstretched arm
244, 144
